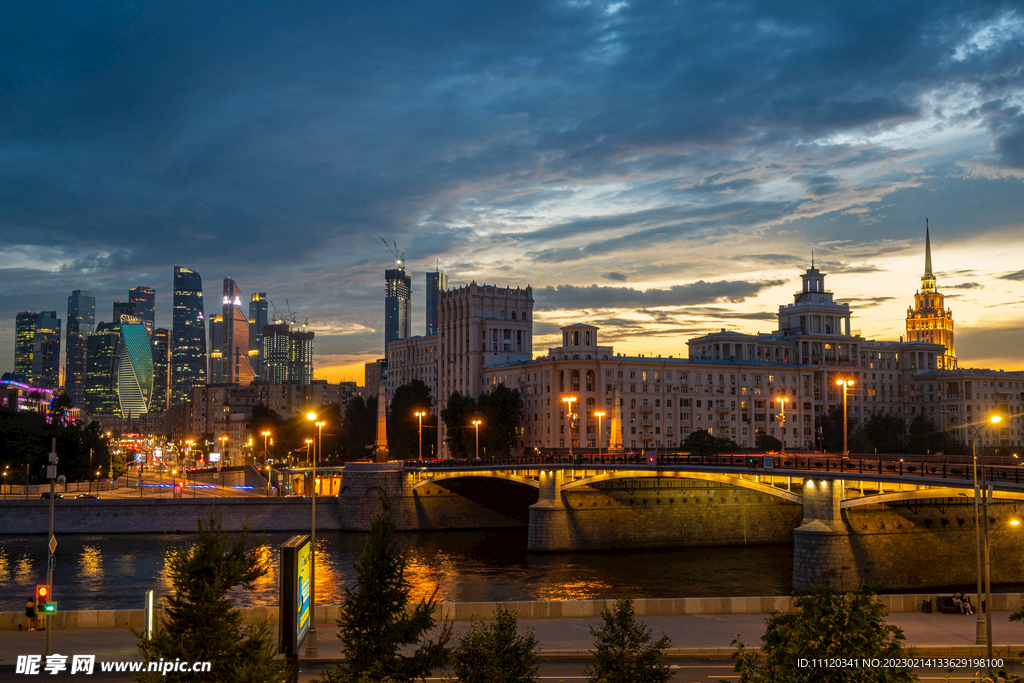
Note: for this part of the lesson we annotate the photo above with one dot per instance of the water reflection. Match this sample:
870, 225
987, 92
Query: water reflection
115, 571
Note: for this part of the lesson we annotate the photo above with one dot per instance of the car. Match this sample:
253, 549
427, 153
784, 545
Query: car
294, 495
92, 496
45, 495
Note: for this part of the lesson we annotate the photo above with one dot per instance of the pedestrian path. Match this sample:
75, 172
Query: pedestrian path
694, 635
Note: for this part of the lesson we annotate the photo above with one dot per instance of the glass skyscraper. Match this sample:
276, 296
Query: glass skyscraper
134, 368
24, 336
287, 355
125, 308
46, 351
188, 336
144, 299
101, 370
80, 324
437, 282
397, 304
257, 321
161, 369
232, 363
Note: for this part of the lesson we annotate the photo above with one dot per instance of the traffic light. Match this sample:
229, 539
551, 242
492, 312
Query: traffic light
43, 604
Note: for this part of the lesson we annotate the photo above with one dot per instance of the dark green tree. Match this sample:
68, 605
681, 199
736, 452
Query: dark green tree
376, 621
925, 437
26, 437
830, 621
403, 425
358, 429
623, 651
860, 443
501, 410
701, 441
830, 428
496, 653
459, 434
766, 442
199, 621
886, 432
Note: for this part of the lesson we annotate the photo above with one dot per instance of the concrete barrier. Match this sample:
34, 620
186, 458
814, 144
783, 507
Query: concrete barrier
537, 609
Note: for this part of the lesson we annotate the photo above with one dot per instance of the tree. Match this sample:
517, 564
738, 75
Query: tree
830, 621
766, 442
26, 437
502, 412
830, 427
886, 432
359, 428
496, 653
403, 425
376, 622
459, 434
623, 651
700, 441
200, 623
925, 437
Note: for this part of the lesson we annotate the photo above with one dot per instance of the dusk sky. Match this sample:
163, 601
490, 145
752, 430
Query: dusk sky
660, 170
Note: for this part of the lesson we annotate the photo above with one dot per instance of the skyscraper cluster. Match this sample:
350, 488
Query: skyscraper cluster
128, 367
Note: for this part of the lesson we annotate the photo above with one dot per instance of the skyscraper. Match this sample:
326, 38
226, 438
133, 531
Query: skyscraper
81, 321
437, 282
234, 348
161, 346
396, 304
929, 320
125, 308
257, 321
188, 335
24, 337
134, 368
101, 370
144, 299
46, 351
287, 355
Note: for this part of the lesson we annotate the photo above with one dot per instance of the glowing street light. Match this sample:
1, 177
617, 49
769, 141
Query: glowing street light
845, 384
421, 414
476, 424
265, 433
782, 401
600, 434
311, 646
568, 400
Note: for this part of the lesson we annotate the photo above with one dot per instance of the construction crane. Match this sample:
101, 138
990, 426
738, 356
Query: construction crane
399, 258
292, 318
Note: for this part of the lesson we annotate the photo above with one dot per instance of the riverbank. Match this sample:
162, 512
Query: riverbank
527, 610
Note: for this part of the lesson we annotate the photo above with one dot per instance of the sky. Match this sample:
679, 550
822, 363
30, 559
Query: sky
660, 170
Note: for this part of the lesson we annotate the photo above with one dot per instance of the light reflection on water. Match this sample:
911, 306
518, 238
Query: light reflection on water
115, 571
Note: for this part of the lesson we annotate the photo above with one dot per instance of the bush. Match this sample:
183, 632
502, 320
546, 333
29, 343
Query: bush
623, 651
496, 653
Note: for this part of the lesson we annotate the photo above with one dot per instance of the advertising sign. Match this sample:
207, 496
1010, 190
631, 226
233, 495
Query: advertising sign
158, 453
140, 457
296, 592
214, 457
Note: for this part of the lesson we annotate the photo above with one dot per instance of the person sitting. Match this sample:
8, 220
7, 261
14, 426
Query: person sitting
959, 603
967, 603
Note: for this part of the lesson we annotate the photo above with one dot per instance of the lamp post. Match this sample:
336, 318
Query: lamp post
600, 434
845, 384
476, 423
568, 418
311, 647
984, 629
421, 414
266, 464
223, 448
782, 401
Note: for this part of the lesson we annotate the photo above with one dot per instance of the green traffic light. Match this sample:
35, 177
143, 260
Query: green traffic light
50, 607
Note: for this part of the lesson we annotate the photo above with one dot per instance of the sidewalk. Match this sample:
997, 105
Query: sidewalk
693, 635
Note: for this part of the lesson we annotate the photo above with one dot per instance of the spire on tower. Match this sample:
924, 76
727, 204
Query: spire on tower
927, 251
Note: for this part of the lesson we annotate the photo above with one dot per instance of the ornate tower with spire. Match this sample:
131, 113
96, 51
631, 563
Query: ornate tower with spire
929, 320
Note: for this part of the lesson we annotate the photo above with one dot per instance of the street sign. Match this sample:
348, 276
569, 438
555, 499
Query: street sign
52, 545
52, 563
50, 607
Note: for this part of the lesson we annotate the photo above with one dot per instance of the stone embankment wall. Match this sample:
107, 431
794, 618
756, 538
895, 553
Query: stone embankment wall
553, 609
158, 515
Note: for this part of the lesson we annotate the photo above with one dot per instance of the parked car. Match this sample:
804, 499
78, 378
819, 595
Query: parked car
46, 495
91, 496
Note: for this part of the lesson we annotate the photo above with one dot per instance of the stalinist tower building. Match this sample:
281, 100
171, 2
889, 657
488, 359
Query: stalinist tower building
929, 320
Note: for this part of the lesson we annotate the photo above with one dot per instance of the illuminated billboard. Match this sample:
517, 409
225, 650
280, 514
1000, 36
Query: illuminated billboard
296, 593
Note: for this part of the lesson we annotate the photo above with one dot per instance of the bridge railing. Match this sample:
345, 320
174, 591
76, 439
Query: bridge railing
753, 463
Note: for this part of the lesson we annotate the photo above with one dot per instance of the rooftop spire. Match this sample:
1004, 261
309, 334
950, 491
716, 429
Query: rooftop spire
927, 251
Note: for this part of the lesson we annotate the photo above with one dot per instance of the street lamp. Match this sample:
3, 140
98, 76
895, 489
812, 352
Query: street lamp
845, 384
782, 401
476, 423
600, 434
223, 448
984, 630
311, 647
266, 464
421, 414
568, 418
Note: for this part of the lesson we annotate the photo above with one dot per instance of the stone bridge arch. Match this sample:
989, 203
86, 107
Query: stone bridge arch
481, 474
732, 480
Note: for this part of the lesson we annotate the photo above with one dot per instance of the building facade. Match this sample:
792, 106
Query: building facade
289, 400
437, 282
134, 368
188, 335
144, 299
80, 323
24, 337
257, 321
929, 320
287, 355
229, 347
46, 351
161, 345
397, 304
101, 366
413, 358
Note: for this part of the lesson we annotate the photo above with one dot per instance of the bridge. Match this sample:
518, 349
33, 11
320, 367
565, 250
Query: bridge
890, 511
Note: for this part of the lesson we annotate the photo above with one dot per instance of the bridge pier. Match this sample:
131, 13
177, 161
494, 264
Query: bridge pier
549, 517
822, 541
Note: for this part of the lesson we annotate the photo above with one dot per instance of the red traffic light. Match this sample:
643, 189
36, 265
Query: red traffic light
42, 593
